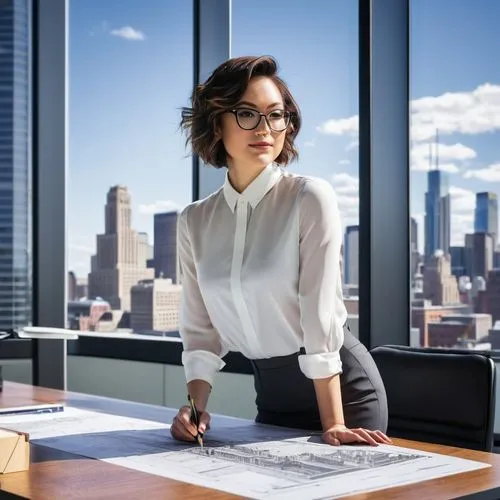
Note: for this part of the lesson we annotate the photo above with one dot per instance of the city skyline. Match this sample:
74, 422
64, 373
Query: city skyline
455, 88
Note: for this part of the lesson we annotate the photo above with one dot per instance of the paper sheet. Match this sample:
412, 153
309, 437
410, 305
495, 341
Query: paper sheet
297, 468
74, 421
251, 460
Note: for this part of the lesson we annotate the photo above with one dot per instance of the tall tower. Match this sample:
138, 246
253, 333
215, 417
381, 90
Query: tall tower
486, 215
165, 245
414, 255
120, 261
437, 210
15, 164
351, 255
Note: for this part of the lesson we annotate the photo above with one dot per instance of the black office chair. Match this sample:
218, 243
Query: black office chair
443, 396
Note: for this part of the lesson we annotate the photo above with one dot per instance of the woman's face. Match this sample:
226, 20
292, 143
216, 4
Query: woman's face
262, 145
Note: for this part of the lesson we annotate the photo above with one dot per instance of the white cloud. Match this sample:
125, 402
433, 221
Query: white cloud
450, 168
340, 126
462, 205
473, 112
448, 154
463, 201
470, 113
310, 144
159, 206
488, 174
128, 33
346, 187
461, 224
344, 162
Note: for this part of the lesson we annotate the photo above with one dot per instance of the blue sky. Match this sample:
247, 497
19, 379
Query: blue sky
131, 71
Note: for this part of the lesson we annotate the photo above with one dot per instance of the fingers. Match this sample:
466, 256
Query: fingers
382, 438
184, 417
359, 435
179, 432
204, 422
182, 428
366, 435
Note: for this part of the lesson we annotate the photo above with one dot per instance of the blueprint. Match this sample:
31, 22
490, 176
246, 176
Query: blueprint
243, 458
298, 468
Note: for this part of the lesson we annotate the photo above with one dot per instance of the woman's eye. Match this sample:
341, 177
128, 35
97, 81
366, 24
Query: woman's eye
245, 114
276, 115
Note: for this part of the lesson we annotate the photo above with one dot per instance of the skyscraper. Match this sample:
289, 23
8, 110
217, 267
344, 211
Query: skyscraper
351, 255
165, 245
119, 262
486, 215
437, 213
479, 254
414, 255
15, 164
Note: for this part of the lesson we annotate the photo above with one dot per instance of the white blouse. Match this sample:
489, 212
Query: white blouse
260, 274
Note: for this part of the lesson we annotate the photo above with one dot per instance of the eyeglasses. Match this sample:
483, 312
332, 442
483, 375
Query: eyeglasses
249, 119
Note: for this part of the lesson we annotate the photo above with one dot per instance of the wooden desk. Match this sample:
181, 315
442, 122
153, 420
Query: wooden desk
57, 474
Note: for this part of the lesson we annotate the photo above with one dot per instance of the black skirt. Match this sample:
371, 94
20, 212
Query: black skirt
286, 397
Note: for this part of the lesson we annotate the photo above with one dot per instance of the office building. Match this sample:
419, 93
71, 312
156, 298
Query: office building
440, 286
437, 213
458, 261
145, 249
478, 254
15, 165
351, 255
414, 254
456, 328
165, 246
155, 306
492, 294
71, 286
119, 262
486, 215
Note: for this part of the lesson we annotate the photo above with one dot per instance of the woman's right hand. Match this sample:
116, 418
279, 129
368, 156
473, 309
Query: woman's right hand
183, 429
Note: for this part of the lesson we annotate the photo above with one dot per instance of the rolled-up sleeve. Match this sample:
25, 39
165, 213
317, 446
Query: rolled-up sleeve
202, 347
322, 311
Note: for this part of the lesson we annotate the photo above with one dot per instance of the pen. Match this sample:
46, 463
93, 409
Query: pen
195, 419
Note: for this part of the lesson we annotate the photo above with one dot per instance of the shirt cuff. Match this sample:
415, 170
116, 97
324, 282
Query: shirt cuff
201, 365
322, 365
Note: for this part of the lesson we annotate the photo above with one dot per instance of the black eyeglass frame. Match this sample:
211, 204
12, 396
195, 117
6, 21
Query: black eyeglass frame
288, 116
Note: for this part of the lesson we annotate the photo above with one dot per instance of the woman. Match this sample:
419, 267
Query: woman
260, 268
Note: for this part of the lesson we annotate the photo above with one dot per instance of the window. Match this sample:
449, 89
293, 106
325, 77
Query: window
130, 67
455, 161
318, 58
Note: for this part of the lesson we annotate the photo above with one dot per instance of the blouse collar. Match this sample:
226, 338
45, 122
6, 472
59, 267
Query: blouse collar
256, 190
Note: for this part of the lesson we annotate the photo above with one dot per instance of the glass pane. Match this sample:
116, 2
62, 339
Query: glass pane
317, 55
455, 161
129, 175
15, 165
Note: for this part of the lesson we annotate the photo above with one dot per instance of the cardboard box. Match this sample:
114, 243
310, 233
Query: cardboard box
14, 451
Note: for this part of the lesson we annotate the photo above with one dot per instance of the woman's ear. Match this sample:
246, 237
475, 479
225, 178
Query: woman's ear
217, 132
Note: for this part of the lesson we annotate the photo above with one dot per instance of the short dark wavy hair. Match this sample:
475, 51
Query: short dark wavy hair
222, 91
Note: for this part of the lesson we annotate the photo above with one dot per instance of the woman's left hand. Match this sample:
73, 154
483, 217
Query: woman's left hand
340, 434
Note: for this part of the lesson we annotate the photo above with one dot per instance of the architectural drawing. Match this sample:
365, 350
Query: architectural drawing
297, 468
307, 466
